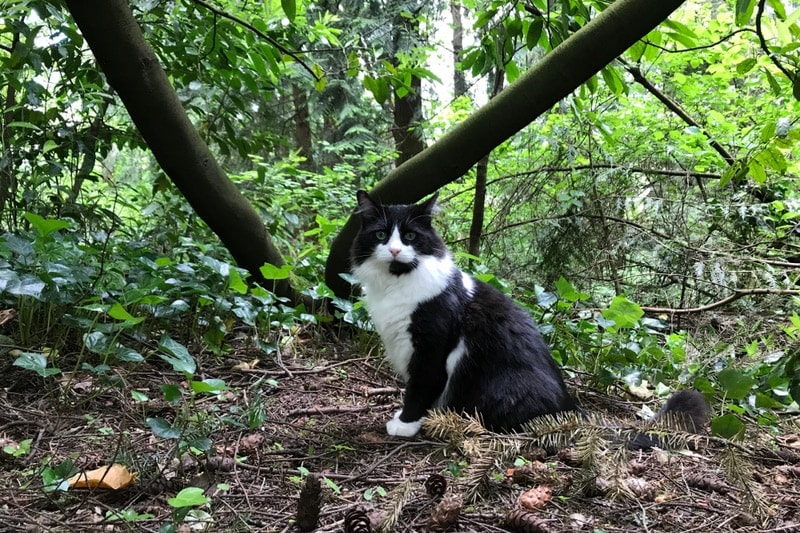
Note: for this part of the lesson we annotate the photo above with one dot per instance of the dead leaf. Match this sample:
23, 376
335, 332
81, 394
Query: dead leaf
6, 315
114, 477
252, 442
246, 365
536, 498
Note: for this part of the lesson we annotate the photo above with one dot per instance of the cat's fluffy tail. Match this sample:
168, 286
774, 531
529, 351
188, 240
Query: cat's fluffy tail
688, 410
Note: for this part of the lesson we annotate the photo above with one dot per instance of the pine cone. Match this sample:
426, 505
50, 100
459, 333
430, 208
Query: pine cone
536, 498
357, 521
309, 503
436, 485
519, 520
707, 483
446, 512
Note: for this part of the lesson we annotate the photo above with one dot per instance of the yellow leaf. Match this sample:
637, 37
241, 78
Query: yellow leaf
114, 477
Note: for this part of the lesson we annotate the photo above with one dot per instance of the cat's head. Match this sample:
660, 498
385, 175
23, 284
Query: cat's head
395, 237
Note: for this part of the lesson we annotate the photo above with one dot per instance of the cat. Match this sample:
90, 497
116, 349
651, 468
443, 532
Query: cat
457, 342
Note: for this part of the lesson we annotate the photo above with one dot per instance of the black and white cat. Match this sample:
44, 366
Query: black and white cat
458, 342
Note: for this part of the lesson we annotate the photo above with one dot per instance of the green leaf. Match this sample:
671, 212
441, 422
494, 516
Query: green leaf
118, 312
727, 426
512, 71
188, 497
796, 87
746, 66
236, 282
271, 272
209, 386
36, 362
534, 33
735, 383
177, 355
162, 428
45, 226
744, 10
290, 8
623, 312
332, 485
27, 285
378, 87
567, 292
171, 393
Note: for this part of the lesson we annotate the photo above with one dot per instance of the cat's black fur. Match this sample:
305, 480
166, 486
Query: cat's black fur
458, 342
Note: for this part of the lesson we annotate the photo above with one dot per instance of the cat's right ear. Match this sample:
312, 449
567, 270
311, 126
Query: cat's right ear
365, 203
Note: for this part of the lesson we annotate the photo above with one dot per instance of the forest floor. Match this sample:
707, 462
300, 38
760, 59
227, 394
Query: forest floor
317, 415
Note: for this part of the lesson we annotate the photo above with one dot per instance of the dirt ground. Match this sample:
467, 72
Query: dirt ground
314, 418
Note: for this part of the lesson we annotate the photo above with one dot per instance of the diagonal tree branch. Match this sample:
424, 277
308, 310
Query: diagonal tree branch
133, 70
560, 72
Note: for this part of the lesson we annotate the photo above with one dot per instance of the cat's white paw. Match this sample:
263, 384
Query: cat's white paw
397, 428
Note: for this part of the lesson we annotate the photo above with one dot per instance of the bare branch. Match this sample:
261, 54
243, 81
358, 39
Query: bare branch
738, 293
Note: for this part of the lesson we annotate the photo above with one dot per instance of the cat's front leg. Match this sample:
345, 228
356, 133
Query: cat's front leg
421, 393
397, 428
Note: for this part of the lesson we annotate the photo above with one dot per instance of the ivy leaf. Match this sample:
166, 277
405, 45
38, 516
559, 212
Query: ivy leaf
36, 362
727, 426
623, 312
162, 428
209, 385
45, 226
735, 383
188, 497
272, 272
177, 355
567, 292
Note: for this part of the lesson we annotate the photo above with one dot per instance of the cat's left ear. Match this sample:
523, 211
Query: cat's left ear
430, 206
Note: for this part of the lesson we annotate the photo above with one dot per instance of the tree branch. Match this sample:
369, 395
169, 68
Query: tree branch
738, 293
559, 73
765, 47
676, 108
270, 40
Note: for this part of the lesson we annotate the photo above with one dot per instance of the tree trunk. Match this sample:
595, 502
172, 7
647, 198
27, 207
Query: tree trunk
559, 73
90, 152
302, 126
407, 108
481, 172
8, 169
132, 69
459, 80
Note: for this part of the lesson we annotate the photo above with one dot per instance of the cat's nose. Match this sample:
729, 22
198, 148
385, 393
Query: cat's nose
394, 251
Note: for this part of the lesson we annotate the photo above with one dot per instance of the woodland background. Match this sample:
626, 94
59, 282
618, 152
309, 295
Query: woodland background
176, 180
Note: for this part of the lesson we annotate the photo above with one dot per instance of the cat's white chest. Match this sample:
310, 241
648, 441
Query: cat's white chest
391, 302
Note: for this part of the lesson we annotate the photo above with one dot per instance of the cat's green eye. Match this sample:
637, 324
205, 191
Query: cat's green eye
409, 236
381, 235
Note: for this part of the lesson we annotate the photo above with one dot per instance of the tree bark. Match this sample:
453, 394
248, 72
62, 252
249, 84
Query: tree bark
407, 108
132, 69
8, 168
481, 178
560, 72
459, 80
302, 126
